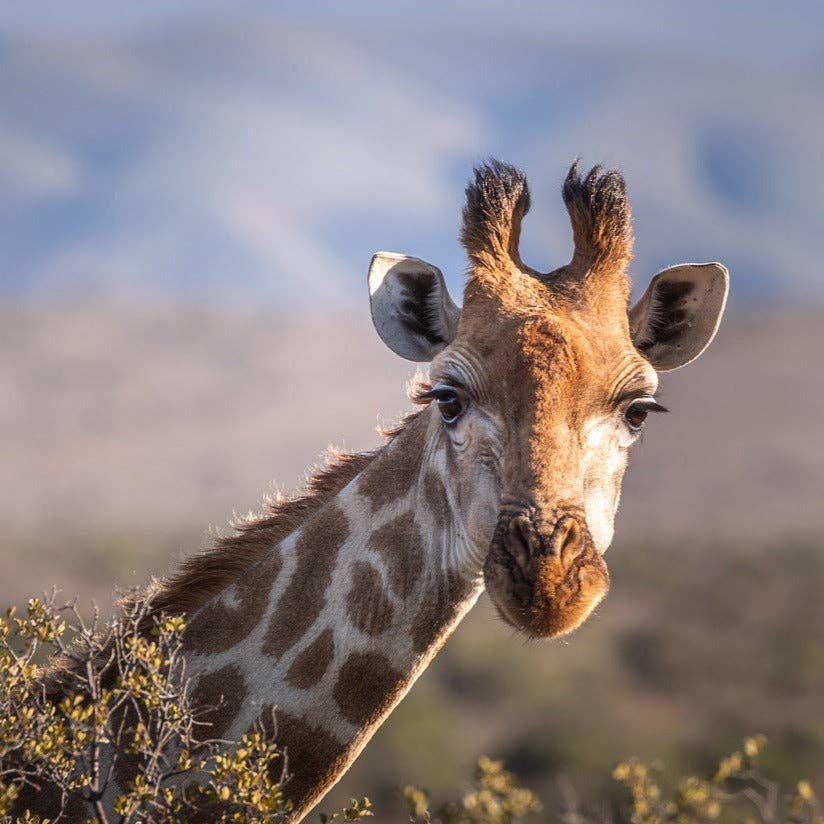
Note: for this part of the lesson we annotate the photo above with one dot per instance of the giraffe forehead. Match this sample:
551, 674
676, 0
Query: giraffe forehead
525, 317
498, 348
543, 354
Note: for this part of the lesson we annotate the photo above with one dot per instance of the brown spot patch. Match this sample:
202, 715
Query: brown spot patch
399, 543
436, 499
218, 627
438, 611
395, 470
367, 686
308, 668
218, 698
300, 604
369, 608
315, 758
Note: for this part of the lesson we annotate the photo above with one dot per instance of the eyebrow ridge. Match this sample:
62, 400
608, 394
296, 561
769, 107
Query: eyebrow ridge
639, 390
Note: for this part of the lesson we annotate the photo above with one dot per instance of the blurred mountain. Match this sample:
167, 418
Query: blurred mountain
126, 418
207, 150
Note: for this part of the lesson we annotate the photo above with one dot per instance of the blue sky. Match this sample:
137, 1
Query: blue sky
234, 149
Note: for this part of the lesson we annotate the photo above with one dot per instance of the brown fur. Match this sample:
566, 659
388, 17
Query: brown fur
318, 754
218, 626
394, 472
438, 611
220, 695
436, 500
368, 607
311, 665
367, 685
400, 542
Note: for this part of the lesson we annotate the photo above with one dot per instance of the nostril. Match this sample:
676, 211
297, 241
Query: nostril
568, 538
519, 541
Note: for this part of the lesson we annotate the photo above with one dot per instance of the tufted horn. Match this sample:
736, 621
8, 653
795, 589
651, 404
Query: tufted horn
496, 202
601, 223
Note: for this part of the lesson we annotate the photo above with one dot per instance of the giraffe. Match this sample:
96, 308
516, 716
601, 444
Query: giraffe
507, 477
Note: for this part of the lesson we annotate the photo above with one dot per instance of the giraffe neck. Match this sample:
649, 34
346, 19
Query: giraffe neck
336, 622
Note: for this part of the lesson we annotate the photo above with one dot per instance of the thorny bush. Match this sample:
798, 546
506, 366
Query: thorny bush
115, 716
122, 721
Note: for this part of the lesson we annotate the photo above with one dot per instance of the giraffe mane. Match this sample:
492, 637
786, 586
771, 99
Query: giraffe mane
204, 574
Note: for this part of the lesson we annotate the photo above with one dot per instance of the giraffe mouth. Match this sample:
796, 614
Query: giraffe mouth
544, 585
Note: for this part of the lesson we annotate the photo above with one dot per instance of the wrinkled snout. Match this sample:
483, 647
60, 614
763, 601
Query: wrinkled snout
544, 581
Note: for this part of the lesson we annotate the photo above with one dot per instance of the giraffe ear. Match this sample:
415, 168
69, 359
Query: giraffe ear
411, 308
679, 314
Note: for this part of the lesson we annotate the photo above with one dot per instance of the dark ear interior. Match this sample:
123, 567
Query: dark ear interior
411, 307
679, 314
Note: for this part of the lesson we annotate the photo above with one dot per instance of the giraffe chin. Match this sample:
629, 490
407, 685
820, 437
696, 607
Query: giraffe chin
548, 594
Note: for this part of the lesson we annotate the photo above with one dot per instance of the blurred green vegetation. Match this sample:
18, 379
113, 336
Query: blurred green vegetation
738, 791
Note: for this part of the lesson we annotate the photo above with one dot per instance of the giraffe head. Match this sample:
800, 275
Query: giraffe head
541, 383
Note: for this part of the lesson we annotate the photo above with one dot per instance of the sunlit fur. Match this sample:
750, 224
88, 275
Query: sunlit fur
543, 358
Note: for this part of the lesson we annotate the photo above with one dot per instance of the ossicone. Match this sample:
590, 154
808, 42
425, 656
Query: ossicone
601, 220
496, 201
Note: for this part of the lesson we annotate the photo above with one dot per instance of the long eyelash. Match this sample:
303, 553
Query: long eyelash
425, 392
647, 402
432, 395
422, 394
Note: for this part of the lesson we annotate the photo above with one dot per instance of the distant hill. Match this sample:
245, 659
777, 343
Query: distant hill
155, 421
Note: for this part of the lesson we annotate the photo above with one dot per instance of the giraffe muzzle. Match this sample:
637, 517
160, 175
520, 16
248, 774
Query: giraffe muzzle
545, 583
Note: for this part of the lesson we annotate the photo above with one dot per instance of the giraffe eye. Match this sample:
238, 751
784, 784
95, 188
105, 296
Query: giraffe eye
635, 416
449, 403
636, 413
